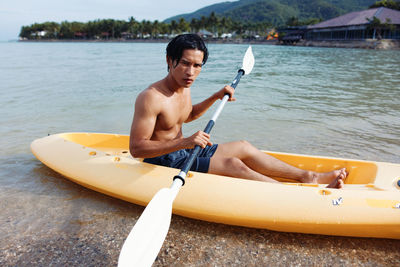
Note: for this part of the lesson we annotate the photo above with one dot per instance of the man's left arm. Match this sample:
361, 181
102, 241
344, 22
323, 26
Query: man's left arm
199, 109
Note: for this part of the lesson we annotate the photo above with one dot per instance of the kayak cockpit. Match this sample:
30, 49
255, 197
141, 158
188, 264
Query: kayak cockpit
367, 173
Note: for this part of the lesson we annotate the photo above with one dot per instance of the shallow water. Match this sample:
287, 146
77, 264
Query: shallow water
321, 101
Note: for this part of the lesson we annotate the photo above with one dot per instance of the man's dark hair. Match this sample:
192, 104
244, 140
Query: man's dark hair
182, 42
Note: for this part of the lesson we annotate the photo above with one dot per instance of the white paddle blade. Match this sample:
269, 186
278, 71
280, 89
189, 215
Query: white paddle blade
248, 61
146, 238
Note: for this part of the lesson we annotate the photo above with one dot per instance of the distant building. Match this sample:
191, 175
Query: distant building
357, 26
292, 34
226, 35
80, 35
127, 35
39, 34
205, 34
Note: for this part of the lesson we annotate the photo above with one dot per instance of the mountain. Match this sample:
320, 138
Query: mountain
278, 12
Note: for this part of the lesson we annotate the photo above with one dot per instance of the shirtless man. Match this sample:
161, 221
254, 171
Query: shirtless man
162, 108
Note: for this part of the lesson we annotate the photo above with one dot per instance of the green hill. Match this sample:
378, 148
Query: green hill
278, 12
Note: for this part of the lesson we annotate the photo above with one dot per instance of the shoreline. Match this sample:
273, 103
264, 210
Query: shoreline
208, 41
369, 44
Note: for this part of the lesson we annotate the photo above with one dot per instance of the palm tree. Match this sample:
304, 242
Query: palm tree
194, 25
212, 23
156, 29
377, 26
183, 26
173, 27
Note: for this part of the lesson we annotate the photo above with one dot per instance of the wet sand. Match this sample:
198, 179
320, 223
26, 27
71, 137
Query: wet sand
52, 221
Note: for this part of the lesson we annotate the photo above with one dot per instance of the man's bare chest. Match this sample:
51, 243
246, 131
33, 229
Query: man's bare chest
174, 113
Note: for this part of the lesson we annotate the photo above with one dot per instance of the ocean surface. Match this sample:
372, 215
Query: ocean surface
319, 101
324, 101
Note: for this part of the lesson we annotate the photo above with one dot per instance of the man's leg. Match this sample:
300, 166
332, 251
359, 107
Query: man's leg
241, 159
234, 167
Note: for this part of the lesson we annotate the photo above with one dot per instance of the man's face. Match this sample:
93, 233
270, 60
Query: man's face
188, 68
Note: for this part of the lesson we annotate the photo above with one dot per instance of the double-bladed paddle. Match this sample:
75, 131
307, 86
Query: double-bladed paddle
145, 240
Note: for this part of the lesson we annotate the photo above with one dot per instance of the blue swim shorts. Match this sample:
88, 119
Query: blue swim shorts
177, 159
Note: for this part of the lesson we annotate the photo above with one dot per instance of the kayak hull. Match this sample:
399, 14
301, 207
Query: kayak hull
368, 206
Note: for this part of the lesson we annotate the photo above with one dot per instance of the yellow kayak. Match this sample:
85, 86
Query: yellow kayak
368, 206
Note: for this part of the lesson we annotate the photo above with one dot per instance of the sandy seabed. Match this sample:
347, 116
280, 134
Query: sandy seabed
68, 225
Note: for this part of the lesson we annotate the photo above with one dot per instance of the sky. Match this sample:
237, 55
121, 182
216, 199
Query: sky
17, 13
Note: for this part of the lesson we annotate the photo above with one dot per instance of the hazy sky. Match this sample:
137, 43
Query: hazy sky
17, 13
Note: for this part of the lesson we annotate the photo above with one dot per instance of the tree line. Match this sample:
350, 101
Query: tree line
295, 21
387, 3
133, 29
216, 26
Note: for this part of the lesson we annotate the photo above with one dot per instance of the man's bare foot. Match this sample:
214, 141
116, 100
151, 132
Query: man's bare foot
334, 179
338, 181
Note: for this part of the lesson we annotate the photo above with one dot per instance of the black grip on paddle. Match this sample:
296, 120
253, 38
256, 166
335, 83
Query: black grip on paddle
180, 178
237, 79
189, 162
209, 126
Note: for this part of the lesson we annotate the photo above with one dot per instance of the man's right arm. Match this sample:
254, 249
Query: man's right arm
143, 125
147, 108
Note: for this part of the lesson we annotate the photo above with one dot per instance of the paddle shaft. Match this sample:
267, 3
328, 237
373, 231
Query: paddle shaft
189, 162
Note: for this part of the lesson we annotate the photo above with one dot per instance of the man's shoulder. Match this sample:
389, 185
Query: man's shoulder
152, 96
151, 92
157, 90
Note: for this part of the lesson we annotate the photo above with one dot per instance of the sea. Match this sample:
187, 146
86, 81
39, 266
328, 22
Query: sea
318, 101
